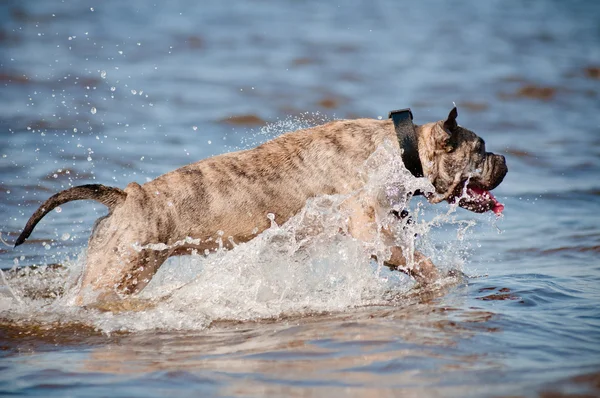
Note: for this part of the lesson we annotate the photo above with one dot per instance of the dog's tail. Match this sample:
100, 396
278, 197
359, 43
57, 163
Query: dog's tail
108, 196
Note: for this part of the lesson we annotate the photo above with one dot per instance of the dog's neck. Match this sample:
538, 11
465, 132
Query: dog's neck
406, 132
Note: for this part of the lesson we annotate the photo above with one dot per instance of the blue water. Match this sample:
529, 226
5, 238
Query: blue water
112, 92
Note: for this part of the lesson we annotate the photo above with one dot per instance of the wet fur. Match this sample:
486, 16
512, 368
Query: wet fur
193, 207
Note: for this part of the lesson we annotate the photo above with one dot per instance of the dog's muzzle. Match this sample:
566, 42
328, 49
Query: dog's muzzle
476, 195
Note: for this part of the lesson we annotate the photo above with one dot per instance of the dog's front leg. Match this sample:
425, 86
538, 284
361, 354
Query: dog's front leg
362, 225
421, 267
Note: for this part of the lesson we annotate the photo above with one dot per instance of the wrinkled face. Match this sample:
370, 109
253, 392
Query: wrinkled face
461, 169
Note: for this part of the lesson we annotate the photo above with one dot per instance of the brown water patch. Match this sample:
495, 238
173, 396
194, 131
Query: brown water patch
50, 125
9, 38
587, 385
532, 91
595, 192
33, 241
329, 103
195, 42
60, 174
248, 119
593, 72
12, 78
301, 61
36, 188
473, 106
576, 249
498, 297
526, 156
557, 250
592, 379
500, 294
519, 153
26, 336
18, 14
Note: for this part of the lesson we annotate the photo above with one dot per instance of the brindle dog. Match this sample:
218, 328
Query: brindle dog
229, 195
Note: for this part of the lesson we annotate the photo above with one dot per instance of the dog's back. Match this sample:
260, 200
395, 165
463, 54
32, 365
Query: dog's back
234, 192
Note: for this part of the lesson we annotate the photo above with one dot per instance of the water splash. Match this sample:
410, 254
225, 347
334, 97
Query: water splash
269, 131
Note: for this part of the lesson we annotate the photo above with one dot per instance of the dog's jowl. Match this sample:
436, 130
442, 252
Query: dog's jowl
231, 194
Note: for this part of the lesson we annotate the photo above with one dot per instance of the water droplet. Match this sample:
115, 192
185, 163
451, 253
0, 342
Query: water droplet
113, 88
58, 209
89, 158
93, 110
75, 129
92, 9
209, 142
65, 236
133, 92
103, 74
195, 128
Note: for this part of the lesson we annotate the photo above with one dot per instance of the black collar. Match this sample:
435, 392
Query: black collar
407, 137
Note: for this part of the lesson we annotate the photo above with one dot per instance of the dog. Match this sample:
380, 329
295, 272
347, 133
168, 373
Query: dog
190, 209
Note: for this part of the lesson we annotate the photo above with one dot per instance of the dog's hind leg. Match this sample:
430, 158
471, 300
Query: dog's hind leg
141, 270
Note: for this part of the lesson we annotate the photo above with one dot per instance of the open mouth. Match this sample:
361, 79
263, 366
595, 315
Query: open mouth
479, 200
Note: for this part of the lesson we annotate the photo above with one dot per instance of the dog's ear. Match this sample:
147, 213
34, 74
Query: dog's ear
450, 124
444, 136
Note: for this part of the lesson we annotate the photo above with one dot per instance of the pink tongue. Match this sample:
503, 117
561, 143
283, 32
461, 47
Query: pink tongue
498, 207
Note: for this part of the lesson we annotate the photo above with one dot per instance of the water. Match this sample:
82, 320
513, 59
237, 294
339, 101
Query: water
113, 92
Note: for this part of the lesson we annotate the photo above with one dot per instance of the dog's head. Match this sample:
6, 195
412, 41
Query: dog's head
457, 164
